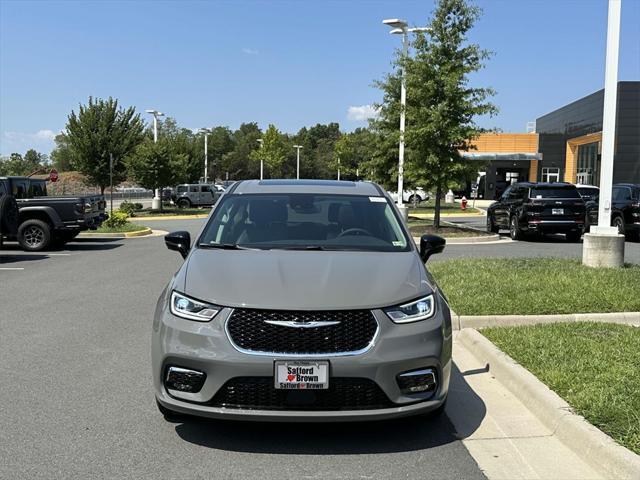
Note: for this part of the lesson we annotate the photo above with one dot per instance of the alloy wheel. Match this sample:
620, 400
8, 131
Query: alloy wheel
33, 236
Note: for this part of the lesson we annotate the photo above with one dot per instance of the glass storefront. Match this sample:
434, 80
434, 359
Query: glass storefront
588, 164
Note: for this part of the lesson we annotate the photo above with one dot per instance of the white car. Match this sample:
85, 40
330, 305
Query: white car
409, 196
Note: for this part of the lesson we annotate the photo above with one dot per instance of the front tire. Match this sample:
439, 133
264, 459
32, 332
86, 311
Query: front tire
169, 415
514, 229
573, 236
491, 227
34, 235
618, 222
184, 203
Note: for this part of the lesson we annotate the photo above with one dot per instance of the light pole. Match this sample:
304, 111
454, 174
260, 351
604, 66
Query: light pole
206, 132
261, 142
297, 147
338, 168
156, 203
401, 27
603, 246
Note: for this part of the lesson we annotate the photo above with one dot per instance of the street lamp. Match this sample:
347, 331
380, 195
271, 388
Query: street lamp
297, 147
401, 27
603, 246
338, 168
261, 142
156, 203
206, 132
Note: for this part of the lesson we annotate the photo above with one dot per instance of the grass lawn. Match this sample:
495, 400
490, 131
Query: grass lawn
422, 226
127, 227
593, 366
526, 286
147, 212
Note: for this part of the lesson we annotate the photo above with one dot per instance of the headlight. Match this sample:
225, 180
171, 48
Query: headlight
185, 307
415, 311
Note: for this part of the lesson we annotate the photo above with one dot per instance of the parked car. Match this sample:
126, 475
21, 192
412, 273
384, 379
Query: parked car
43, 219
527, 208
325, 310
587, 192
411, 196
625, 209
196, 195
9, 216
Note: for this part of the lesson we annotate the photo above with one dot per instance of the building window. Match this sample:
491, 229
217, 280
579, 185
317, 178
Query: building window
588, 163
550, 174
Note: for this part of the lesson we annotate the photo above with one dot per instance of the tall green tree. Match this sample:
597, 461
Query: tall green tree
355, 151
273, 152
442, 105
99, 129
237, 163
19, 165
61, 155
155, 165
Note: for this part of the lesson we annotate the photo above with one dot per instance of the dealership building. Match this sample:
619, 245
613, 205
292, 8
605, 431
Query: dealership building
565, 146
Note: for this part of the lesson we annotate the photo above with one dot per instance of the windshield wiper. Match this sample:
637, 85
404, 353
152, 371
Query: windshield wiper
301, 247
223, 246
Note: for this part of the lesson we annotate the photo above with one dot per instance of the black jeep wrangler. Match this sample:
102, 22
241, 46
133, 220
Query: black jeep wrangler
43, 220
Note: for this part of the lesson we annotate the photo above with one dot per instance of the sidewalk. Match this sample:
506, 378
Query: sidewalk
501, 434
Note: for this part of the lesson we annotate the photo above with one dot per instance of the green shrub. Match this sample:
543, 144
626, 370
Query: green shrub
130, 207
117, 219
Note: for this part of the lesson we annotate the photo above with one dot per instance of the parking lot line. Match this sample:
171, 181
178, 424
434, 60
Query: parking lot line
11, 268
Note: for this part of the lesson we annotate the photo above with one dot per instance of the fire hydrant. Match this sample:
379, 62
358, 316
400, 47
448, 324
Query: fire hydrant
463, 203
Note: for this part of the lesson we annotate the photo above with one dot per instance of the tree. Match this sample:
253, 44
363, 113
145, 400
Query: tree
155, 165
273, 152
441, 105
18, 165
99, 129
237, 162
61, 156
355, 151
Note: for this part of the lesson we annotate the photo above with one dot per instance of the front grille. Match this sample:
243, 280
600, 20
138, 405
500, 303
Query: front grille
354, 332
258, 393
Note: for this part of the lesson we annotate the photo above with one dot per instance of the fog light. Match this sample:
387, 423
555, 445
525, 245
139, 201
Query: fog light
184, 380
417, 381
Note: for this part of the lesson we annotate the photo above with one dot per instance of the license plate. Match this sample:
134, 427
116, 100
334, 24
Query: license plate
301, 375
557, 211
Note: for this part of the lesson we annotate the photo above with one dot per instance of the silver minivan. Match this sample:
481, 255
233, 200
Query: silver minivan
302, 300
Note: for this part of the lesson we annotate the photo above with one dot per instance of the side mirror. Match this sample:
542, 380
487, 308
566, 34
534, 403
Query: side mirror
179, 241
431, 244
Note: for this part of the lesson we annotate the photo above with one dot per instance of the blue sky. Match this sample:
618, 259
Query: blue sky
291, 63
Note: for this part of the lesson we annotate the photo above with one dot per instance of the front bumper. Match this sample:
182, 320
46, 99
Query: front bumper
206, 347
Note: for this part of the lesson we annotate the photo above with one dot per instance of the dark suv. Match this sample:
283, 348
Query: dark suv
538, 208
625, 211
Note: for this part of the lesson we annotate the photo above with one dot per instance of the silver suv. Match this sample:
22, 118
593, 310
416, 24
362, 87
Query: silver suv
197, 195
302, 300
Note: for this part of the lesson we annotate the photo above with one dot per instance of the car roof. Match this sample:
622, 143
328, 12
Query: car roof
633, 185
336, 187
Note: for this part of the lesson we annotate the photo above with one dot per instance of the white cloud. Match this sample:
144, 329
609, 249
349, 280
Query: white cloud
361, 113
250, 51
20, 142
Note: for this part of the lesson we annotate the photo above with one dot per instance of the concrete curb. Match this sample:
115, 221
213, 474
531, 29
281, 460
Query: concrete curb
596, 448
139, 233
466, 240
480, 321
169, 217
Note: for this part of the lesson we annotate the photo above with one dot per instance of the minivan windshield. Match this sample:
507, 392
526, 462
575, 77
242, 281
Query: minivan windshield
304, 222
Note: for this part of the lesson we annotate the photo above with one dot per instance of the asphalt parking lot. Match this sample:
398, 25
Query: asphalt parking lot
77, 397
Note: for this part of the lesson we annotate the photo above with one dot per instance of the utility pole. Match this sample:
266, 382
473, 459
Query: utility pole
111, 178
603, 246
156, 203
206, 132
297, 147
261, 142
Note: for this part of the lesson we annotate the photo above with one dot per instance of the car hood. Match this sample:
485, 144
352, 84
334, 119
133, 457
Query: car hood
302, 280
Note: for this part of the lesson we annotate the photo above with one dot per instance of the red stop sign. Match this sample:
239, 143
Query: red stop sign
53, 175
